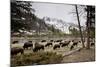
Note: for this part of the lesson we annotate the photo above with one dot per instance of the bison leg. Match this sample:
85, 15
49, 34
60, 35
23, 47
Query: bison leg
22, 51
71, 47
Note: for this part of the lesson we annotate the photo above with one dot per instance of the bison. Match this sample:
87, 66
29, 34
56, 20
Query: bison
65, 44
14, 42
38, 47
79, 41
75, 43
72, 40
56, 46
43, 41
48, 44
92, 44
28, 44
61, 43
58, 40
51, 40
16, 50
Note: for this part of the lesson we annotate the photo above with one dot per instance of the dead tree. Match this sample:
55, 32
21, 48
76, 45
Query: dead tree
79, 26
87, 28
90, 16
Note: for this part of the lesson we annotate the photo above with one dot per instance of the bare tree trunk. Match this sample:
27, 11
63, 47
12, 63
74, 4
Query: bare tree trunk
79, 26
87, 27
84, 35
88, 38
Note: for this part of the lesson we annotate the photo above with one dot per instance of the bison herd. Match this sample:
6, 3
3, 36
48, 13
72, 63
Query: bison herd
38, 46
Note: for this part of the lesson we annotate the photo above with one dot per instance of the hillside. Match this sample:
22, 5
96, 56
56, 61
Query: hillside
60, 24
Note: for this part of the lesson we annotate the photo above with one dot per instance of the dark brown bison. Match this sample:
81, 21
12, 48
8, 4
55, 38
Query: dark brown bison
56, 46
92, 44
58, 41
51, 40
61, 43
28, 44
43, 41
16, 50
38, 47
79, 41
14, 42
72, 40
75, 43
65, 44
48, 44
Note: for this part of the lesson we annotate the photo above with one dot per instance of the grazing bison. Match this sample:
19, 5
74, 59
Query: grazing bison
61, 43
28, 44
79, 41
75, 43
48, 44
56, 46
92, 44
43, 41
65, 44
72, 40
51, 40
58, 40
16, 50
14, 42
38, 47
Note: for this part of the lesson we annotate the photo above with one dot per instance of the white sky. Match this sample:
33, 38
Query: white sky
59, 11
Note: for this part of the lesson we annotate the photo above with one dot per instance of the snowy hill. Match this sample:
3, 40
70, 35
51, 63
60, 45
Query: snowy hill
59, 24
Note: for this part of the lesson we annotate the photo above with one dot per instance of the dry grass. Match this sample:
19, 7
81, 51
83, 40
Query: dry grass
36, 58
85, 55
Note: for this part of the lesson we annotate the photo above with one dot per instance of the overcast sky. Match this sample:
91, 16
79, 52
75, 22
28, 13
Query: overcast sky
59, 11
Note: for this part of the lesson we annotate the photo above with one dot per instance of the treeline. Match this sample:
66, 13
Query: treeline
24, 19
